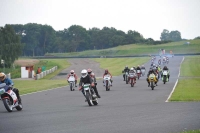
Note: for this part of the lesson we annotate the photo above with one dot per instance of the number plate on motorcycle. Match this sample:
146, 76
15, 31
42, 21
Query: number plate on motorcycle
86, 87
2, 91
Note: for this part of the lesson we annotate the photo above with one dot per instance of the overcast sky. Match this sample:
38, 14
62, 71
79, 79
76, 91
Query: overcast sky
148, 17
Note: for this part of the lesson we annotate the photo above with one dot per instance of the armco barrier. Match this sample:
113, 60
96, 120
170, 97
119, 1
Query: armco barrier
45, 73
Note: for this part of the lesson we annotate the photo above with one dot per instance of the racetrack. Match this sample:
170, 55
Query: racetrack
124, 109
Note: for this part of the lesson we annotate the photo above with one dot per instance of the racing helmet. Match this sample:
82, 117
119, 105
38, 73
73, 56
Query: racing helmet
106, 71
83, 73
2, 76
89, 71
72, 71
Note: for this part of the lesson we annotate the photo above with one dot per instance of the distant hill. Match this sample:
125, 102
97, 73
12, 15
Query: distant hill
182, 47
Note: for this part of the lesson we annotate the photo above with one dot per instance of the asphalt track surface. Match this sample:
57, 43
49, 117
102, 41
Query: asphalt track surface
124, 109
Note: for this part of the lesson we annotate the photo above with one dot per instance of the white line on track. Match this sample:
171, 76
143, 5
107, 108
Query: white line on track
176, 81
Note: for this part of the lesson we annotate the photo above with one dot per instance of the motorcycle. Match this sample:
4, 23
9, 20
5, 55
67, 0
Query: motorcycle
164, 61
167, 60
107, 82
159, 61
132, 79
9, 98
90, 96
126, 76
143, 72
165, 76
71, 81
152, 80
138, 74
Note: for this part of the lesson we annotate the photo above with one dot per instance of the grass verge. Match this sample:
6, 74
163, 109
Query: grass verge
191, 66
187, 90
192, 131
188, 87
29, 86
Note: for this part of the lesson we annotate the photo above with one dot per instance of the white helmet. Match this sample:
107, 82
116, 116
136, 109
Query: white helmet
83, 73
131, 69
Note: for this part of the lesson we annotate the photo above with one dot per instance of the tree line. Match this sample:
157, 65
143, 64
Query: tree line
34, 39
41, 39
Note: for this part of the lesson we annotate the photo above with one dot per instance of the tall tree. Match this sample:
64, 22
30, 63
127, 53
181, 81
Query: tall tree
11, 47
78, 37
165, 35
175, 36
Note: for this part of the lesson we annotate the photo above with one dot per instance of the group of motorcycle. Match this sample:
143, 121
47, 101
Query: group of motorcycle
130, 78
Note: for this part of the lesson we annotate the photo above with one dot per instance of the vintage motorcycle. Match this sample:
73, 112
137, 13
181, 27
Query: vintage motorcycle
152, 80
106, 81
90, 95
9, 98
143, 72
138, 74
159, 61
71, 81
165, 76
132, 79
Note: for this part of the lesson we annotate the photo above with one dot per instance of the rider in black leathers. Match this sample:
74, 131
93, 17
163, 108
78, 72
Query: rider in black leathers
165, 68
85, 79
126, 69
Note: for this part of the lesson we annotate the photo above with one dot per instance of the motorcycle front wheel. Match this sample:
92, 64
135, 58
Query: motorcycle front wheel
164, 79
126, 79
71, 88
152, 85
132, 84
95, 102
107, 86
7, 104
89, 98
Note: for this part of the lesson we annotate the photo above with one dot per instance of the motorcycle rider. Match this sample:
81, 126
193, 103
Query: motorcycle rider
72, 73
92, 75
167, 59
85, 79
9, 82
132, 71
159, 61
159, 71
105, 73
138, 68
151, 71
165, 68
126, 69
134, 68
142, 67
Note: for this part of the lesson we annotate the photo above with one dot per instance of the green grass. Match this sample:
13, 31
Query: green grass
139, 49
191, 131
28, 86
116, 65
191, 66
188, 87
187, 90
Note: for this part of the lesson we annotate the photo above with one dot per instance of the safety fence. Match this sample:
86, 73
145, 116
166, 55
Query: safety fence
44, 73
